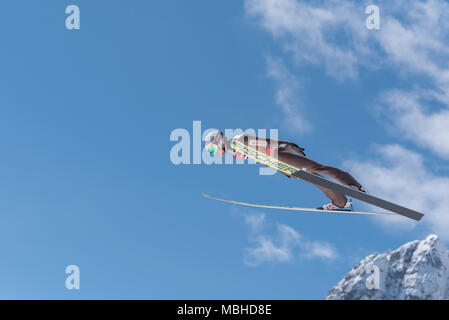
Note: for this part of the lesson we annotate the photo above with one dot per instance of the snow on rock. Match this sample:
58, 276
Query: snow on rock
417, 270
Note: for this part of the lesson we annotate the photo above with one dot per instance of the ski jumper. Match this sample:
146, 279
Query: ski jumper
285, 154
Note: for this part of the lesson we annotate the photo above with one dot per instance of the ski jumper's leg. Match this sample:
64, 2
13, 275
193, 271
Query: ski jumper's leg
342, 176
311, 166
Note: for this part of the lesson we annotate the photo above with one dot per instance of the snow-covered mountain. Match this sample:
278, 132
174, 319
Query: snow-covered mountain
417, 270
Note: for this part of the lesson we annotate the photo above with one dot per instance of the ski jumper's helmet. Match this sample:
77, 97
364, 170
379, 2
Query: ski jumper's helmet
215, 140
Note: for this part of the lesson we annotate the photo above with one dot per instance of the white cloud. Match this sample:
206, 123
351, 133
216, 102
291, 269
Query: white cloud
282, 245
313, 33
415, 120
333, 34
400, 175
412, 41
267, 251
288, 235
287, 96
255, 221
417, 41
418, 44
320, 249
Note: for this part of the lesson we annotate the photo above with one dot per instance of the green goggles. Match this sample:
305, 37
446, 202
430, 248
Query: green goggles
213, 149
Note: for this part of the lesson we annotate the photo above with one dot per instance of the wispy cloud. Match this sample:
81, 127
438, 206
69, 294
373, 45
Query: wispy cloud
316, 249
310, 31
400, 175
414, 37
255, 221
288, 96
412, 117
333, 34
413, 43
412, 40
282, 245
417, 44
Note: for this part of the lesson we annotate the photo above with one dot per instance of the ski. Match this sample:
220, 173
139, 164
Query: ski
296, 208
288, 169
316, 179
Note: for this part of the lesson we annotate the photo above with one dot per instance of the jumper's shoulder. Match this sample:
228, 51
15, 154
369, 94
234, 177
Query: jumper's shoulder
244, 136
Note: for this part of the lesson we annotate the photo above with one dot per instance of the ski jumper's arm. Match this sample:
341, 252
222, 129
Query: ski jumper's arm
268, 145
287, 145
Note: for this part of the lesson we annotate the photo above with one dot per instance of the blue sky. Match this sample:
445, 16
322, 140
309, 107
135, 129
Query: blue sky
86, 116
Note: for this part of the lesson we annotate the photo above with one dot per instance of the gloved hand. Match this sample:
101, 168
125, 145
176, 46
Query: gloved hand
298, 149
292, 146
